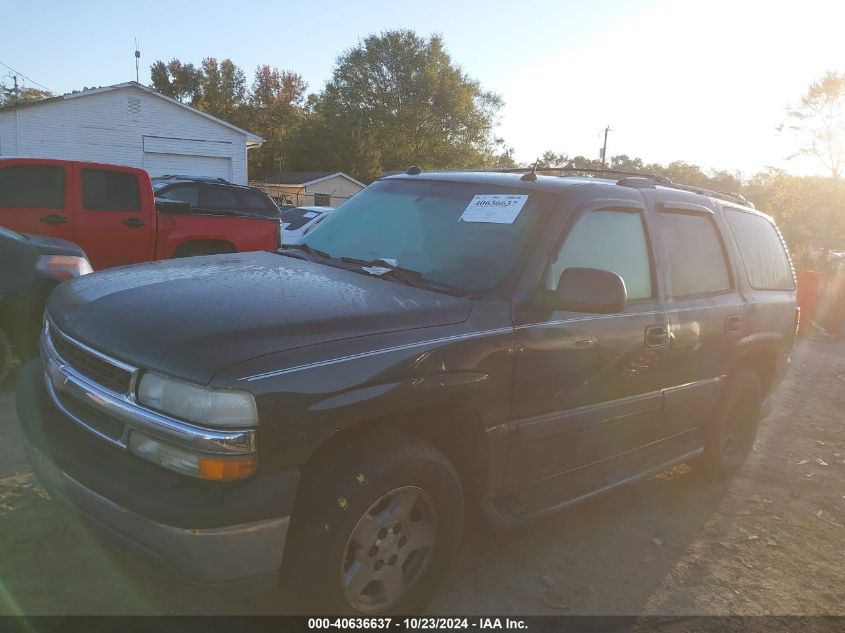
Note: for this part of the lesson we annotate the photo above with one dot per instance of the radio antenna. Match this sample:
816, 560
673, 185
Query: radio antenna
137, 62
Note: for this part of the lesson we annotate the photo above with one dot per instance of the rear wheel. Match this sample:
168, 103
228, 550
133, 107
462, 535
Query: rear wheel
375, 528
730, 435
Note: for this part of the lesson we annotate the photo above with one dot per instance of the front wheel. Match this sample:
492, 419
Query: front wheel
375, 528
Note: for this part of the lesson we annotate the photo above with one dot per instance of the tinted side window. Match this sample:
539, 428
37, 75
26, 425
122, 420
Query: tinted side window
607, 240
762, 251
696, 257
183, 193
257, 203
32, 186
106, 190
217, 197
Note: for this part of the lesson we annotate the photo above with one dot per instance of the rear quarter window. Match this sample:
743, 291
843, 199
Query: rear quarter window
257, 203
762, 251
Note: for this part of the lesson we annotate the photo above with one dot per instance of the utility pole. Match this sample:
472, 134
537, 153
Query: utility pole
604, 148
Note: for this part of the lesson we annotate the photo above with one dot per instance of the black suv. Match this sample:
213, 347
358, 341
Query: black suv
215, 195
325, 416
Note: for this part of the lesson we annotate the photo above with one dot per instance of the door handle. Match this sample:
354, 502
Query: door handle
732, 323
133, 223
53, 219
656, 336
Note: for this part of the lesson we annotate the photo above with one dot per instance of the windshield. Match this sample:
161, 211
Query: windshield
426, 227
296, 218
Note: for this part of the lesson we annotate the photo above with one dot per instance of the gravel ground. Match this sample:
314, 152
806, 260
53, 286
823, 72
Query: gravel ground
770, 541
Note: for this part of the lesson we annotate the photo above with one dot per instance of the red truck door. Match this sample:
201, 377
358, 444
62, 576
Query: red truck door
115, 218
36, 196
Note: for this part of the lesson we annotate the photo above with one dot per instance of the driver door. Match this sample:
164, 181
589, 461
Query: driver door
587, 386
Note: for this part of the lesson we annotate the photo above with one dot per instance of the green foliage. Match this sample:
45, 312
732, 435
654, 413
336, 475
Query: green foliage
395, 100
25, 95
270, 107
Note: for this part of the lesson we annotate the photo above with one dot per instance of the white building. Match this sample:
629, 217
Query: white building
303, 188
128, 124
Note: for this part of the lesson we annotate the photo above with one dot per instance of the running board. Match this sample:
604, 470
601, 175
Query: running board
504, 515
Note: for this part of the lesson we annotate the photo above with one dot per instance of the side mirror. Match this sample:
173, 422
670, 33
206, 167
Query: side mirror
590, 290
173, 207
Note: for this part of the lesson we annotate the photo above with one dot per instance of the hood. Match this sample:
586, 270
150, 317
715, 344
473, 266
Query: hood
194, 317
55, 246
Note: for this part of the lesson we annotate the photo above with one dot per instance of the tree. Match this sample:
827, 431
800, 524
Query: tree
395, 100
275, 107
25, 95
223, 90
819, 122
270, 107
179, 81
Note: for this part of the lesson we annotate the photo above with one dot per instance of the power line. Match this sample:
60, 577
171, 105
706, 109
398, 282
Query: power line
30, 79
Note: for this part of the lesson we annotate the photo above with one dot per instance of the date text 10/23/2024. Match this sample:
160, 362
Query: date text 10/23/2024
421, 623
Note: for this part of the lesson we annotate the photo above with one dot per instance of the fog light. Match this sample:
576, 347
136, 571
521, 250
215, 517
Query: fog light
188, 462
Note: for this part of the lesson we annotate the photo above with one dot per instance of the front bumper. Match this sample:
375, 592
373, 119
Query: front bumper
229, 534
249, 554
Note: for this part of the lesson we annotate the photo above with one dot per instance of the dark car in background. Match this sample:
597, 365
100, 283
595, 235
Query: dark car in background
216, 195
325, 415
30, 267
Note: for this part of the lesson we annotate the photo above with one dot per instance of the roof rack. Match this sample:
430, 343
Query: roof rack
655, 178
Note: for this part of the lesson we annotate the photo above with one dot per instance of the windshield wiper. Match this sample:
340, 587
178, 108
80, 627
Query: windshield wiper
312, 253
382, 267
407, 276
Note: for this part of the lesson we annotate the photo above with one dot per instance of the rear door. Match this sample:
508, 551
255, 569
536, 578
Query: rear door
115, 220
37, 197
705, 311
587, 386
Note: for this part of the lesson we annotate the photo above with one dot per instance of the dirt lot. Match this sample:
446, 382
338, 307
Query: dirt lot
771, 541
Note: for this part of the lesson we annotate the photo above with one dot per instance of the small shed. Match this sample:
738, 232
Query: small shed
311, 188
128, 124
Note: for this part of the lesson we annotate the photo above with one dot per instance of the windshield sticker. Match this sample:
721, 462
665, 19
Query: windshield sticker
310, 214
496, 208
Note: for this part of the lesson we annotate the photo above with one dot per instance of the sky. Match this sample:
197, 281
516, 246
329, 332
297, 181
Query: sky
704, 82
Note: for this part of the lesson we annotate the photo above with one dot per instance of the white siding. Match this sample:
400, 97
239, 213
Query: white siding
111, 127
338, 187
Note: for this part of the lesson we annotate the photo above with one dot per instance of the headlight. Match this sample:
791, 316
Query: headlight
211, 407
63, 267
187, 462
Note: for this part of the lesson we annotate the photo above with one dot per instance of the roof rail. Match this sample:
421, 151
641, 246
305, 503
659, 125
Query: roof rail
656, 178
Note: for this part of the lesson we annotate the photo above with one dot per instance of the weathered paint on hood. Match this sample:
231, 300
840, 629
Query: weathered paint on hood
194, 317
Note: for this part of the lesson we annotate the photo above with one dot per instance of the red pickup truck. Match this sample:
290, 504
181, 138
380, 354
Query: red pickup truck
111, 212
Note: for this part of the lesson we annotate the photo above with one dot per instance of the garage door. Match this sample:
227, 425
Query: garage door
188, 157
187, 165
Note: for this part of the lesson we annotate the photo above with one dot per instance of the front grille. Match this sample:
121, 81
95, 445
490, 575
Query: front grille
92, 417
97, 369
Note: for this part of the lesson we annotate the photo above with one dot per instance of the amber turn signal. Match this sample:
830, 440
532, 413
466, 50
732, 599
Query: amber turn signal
211, 468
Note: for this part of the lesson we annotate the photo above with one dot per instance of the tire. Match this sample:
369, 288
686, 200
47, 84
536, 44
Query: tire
382, 511
5, 356
730, 435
